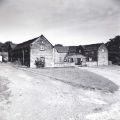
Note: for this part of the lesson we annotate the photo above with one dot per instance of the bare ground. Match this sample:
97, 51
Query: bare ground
34, 96
112, 111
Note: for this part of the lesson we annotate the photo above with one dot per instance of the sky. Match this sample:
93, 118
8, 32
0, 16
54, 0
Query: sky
67, 22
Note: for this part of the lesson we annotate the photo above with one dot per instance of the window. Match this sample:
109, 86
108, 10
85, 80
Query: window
71, 60
60, 59
42, 48
90, 59
42, 59
103, 50
80, 51
65, 60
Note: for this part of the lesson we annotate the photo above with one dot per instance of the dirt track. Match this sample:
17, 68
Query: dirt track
112, 112
36, 98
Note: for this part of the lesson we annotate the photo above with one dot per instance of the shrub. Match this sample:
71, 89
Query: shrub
39, 63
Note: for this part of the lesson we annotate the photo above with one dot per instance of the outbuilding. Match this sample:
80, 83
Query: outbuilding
34, 51
40, 52
96, 54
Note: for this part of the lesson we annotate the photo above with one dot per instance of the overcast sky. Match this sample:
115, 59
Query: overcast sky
68, 22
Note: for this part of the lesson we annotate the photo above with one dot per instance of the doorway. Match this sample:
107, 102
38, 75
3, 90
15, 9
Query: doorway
42, 59
78, 62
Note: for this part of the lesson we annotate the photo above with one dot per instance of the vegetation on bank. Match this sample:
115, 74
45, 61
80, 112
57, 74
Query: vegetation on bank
78, 78
113, 46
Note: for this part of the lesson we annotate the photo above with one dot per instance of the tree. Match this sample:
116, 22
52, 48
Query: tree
113, 46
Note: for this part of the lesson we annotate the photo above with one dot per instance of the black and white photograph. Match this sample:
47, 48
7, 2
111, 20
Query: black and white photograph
59, 60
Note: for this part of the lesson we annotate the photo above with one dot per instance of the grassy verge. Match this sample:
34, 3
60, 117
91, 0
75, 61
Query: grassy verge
79, 78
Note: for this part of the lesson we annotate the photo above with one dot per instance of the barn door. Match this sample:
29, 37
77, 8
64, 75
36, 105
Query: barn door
78, 61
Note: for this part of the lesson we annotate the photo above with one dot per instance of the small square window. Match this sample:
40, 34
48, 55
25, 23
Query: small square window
42, 48
65, 60
90, 59
103, 50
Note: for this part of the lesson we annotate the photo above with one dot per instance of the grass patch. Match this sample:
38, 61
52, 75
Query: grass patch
79, 78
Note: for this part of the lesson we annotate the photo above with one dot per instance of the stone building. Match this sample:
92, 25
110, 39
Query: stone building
3, 53
28, 52
40, 49
96, 54
69, 55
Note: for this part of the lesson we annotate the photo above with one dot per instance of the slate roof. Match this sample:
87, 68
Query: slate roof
71, 50
62, 49
25, 44
92, 47
65, 49
92, 50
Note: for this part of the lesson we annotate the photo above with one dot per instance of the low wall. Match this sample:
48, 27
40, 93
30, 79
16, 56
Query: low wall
64, 64
91, 64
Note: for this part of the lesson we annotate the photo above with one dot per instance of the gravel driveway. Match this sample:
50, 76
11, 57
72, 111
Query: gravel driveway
35, 97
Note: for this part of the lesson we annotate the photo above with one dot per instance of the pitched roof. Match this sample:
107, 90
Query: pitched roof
62, 49
72, 49
92, 47
68, 49
26, 43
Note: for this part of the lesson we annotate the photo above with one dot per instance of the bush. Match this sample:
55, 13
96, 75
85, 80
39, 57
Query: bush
39, 63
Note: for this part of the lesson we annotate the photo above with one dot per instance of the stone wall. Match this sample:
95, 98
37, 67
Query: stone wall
102, 55
64, 64
59, 57
90, 64
41, 48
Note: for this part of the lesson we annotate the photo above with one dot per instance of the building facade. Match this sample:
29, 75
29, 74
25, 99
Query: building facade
37, 49
96, 54
3, 53
40, 51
